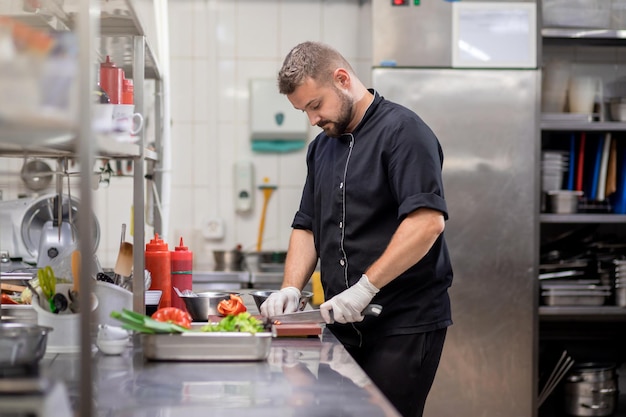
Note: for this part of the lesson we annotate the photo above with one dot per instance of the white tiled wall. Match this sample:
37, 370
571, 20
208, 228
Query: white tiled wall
216, 47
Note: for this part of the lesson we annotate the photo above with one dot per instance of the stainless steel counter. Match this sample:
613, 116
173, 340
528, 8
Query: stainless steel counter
302, 377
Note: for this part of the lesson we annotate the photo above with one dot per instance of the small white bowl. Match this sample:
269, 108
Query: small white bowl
112, 347
108, 332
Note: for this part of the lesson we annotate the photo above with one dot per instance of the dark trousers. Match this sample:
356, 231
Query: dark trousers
403, 367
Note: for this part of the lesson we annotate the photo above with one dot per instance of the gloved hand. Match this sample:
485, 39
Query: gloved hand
348, 305
284, 301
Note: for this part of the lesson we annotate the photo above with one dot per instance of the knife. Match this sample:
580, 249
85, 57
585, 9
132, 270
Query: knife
315, 316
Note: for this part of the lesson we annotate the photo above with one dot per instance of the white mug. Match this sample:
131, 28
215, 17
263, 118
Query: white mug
102, 117
126, 120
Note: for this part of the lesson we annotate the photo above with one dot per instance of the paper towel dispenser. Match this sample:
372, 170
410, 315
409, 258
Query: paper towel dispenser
272, 117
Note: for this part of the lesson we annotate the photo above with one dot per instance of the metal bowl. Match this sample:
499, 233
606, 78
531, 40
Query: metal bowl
205, 304
22, 343
260, 297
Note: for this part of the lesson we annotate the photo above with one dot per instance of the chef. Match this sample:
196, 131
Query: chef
373, 212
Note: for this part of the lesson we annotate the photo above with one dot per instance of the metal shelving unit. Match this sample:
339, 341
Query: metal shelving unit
121, 32
586, 331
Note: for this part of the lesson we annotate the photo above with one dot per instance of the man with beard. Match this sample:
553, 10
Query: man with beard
373, 212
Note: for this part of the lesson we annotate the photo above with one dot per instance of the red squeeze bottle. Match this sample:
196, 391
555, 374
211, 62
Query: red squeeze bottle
111, 80
182, 275
157, 258
128, 92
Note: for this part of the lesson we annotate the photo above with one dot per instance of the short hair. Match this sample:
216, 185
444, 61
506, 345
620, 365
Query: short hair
309, 60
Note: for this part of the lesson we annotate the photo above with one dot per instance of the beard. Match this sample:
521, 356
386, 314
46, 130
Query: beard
338, 127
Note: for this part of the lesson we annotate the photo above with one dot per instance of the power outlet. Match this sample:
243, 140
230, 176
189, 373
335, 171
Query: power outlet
213, 229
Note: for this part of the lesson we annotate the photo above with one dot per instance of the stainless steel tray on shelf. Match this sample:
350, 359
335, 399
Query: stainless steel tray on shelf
207, 346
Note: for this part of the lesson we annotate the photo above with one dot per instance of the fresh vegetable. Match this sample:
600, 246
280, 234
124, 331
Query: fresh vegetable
47, 281
6, 299
232, 306
143, 324
242, 322
26, 297
173, 315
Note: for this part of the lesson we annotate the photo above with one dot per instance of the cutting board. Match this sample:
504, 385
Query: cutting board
287, 330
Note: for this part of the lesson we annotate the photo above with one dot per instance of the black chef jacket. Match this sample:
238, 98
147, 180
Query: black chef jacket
358, 189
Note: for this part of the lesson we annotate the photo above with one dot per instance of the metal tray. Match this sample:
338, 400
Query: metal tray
575, 298
203, 346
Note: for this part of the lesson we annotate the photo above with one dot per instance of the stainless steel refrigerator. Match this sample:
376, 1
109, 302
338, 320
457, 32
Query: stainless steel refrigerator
486, 118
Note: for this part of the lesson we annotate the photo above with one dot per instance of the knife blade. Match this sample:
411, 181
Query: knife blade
315, 316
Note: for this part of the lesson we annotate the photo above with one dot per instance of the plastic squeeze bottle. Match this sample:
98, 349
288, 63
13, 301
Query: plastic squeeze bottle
111, 77
182, 275
158, 262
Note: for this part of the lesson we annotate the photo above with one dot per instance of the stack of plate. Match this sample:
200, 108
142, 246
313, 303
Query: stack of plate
553, 165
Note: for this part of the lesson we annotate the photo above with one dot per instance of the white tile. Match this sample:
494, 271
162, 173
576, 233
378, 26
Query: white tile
225, 91
201, 97
181, 17
292, 169
257, 33
225, 153
203, 40
226, 28
181, 212
294, 31
204, 155
182, 154
181, 89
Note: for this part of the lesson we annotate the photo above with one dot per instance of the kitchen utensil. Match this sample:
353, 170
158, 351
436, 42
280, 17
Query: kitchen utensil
260, 297
124, 263
315, 316
38, 216
36, 174
563, 365
22, 344
204, 304
267, 193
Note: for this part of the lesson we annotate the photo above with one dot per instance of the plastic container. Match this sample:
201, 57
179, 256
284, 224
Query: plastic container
111, 78
158, 262
564, 201
182, 274
65, 337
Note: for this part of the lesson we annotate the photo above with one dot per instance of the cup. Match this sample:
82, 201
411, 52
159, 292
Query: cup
125, 119
102, 117
582, 92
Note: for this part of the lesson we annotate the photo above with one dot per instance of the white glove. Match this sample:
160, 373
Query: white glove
284, 301
348, 305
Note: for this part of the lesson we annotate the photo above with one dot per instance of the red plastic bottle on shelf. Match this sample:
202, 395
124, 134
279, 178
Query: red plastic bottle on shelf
111, 78
158, 262
182, 275
128, 92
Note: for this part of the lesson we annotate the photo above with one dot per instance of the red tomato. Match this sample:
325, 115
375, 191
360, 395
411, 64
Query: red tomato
173, 315
231, 307
8, 300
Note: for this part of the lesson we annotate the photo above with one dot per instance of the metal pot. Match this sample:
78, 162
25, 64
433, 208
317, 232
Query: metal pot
591, 390
228, 260
22, 344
